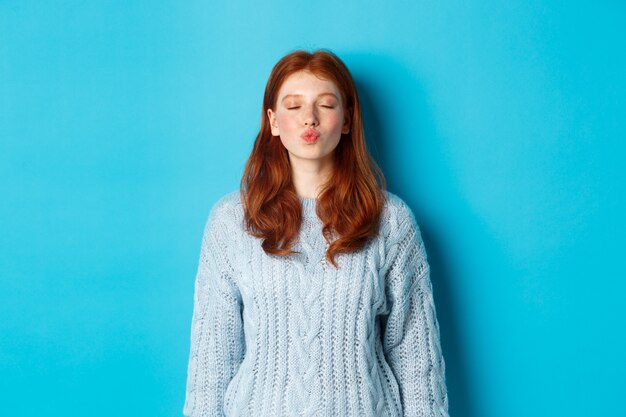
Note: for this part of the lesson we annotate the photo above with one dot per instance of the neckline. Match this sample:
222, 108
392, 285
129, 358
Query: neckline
308, 206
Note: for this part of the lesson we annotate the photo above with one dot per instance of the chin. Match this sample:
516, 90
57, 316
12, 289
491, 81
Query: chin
310, 156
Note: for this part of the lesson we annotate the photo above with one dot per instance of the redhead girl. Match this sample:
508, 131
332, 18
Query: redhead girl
313, 294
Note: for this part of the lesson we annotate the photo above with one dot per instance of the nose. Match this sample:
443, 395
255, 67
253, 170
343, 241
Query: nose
310, 116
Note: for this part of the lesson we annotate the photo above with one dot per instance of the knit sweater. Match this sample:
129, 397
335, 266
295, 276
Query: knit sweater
293, 336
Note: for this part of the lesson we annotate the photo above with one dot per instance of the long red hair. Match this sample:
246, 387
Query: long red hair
350, 202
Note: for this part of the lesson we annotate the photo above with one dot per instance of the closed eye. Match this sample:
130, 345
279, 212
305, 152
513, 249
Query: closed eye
293, 107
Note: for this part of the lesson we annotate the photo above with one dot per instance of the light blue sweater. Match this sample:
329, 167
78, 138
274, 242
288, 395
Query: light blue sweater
293, 336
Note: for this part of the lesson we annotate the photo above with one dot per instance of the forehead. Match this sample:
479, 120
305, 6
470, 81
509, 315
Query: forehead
307, 83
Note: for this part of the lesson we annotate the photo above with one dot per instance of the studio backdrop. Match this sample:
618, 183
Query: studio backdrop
500, 123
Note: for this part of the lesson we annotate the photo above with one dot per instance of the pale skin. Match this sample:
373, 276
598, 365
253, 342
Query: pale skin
307, 102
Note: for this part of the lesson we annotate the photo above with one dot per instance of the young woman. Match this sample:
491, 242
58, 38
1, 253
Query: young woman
313, 295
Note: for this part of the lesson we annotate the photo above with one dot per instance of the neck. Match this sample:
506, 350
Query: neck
309, 176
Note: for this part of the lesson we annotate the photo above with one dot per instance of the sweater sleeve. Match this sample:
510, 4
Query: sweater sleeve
411, 331
217, 338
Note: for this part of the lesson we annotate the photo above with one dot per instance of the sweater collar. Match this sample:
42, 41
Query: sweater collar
308, 206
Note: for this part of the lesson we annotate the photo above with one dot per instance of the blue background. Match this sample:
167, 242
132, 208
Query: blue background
502, 124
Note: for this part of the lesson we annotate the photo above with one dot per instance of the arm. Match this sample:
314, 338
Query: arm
411, 331
217, 338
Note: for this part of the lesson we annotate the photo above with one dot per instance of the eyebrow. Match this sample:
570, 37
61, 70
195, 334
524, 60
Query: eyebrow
300, 95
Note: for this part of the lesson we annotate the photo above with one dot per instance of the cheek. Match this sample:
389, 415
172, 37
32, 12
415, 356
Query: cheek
335, 121
285, 121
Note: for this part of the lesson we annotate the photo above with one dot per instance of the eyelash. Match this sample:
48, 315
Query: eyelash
297, 107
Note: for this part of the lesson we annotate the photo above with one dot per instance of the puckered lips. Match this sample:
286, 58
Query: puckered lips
310, 135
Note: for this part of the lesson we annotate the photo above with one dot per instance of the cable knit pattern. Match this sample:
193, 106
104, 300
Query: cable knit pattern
293, 336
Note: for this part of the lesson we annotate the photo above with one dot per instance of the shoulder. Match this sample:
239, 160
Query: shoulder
400, 234
227, 203
397, 217
226, 212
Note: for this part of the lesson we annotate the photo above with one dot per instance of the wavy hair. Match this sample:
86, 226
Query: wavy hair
349, 203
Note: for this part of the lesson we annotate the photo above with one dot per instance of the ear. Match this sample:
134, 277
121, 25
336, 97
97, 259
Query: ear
346, 122
273, 123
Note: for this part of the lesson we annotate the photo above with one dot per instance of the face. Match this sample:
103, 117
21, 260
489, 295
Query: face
309, 117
